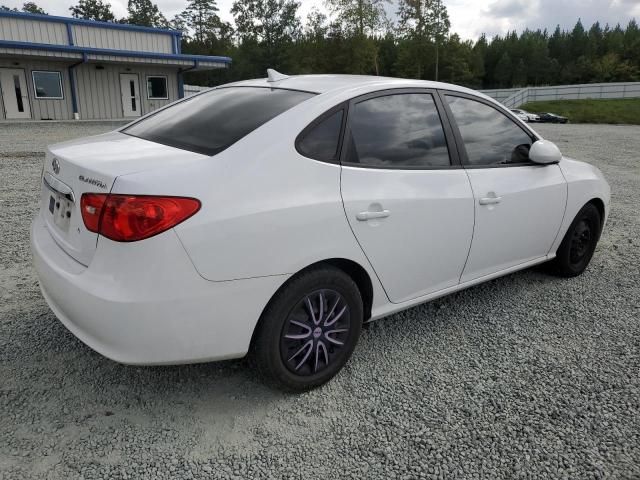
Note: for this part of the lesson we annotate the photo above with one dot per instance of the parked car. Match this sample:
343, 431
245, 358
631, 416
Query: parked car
552, 118
526, 116
521, 116
276, 216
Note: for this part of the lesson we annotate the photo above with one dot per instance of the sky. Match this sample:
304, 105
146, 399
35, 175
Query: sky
469, 18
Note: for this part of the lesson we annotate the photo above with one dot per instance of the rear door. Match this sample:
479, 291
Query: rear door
408, 202
519, 205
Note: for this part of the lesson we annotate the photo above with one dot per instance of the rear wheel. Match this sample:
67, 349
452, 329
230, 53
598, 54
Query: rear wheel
579, 243
309, 330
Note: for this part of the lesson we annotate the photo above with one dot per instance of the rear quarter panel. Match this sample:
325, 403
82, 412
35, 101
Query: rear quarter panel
266, 209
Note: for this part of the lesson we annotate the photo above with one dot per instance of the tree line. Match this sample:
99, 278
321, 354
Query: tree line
359, 38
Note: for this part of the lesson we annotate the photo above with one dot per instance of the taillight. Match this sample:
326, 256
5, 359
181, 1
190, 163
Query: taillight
128, 218
91, 206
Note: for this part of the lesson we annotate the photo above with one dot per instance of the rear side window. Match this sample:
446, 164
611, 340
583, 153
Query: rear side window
397, 131
213, 121
320, 142
489, 136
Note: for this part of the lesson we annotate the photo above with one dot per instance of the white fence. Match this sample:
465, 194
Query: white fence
501, 94
512, 98
193, 89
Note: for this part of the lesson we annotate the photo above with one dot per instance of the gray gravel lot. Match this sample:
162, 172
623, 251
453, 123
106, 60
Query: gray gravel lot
528, 376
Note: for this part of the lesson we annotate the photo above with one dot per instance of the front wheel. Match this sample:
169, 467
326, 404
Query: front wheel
579, 243
309, 329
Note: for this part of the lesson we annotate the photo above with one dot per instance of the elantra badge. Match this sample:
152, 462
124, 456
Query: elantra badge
55, 164
92, 181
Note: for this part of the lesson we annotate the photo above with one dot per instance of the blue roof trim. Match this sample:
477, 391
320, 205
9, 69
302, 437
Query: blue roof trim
91, 23
106, 51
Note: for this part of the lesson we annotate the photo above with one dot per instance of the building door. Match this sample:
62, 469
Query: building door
15, 95
130, 90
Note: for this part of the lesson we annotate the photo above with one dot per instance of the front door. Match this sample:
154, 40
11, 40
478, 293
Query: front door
409, 207
15, 95
130, 90
519, 205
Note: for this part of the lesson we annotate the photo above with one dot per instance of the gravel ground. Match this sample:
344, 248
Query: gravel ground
528, 376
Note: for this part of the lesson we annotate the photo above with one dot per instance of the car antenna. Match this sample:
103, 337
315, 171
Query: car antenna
274, 76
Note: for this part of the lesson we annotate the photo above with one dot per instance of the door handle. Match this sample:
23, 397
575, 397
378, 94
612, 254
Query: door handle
490, 200
364, 216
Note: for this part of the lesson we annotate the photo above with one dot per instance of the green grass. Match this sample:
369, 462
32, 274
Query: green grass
626, 111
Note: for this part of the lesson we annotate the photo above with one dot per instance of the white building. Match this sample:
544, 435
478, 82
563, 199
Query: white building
58, 68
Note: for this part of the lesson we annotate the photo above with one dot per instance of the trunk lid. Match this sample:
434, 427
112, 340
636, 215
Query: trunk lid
92, 165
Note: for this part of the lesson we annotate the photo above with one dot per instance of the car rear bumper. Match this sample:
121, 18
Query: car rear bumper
144, 303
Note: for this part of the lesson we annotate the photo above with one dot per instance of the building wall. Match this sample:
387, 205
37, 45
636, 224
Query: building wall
99, 89
23, 30
43, 109
88, 36
57, 31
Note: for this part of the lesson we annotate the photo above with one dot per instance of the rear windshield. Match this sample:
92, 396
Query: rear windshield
210, 122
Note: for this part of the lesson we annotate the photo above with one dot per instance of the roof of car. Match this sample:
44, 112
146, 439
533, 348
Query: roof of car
327, 83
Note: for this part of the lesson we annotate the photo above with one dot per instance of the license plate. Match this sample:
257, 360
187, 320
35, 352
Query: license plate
61, 209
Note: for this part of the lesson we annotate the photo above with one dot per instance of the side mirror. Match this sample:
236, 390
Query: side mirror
544, 152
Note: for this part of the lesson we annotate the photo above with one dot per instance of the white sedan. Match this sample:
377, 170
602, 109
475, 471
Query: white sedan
525, 116
275, 216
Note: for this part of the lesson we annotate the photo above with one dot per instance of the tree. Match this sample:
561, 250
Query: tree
270, 21
440, 18
503, 71
179, 22
578, 40
361, 16
316, 26
145, 13
424, 24
201, 16
93, 10
271, 25
520, 74
31, 7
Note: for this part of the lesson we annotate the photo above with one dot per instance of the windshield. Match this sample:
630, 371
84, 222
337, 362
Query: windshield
215, 120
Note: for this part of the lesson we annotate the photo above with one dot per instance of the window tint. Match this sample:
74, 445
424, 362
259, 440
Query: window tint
489, 136
402, 130
157, 88
321, 142
213, 121
47, 84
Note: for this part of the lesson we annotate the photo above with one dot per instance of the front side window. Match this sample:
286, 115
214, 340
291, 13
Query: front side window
397, 131
47, 84
489, 136
213, 121
321, 141
157, 88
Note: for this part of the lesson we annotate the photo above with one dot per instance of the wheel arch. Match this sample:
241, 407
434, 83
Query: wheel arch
353, 269
599, 204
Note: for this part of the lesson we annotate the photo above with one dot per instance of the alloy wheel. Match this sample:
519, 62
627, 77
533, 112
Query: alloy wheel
315, 332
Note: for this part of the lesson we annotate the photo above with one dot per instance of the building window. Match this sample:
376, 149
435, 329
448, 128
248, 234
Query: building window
157, 88
47, 85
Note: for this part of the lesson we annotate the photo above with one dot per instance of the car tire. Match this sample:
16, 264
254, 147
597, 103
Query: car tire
308, 330
579, 243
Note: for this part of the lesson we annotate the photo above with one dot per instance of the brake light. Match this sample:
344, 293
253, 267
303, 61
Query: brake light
91, 206
129, 218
